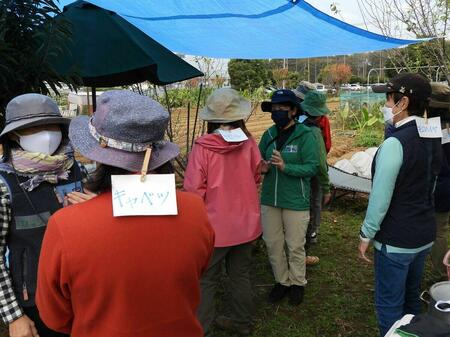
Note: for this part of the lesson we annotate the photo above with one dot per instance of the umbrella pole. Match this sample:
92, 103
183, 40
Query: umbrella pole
187, 127
94, 99
170, 131
196, 114
88, 102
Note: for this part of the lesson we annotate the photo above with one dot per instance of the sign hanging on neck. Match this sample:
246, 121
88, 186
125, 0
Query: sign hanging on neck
154, 196
429, 127
233, 135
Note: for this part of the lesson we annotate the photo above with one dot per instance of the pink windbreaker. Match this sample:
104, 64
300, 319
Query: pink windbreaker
226, 175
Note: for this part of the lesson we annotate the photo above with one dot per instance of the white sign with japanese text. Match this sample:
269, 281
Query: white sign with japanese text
429, 128
234, 135
445, 136
155, 196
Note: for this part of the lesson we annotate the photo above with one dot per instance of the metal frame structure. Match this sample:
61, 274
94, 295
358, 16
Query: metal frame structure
401, 69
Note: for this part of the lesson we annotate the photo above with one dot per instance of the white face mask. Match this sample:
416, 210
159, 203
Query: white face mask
45, 141
388, 115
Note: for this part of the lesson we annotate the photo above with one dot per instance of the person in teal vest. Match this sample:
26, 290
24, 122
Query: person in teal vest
290, 155
37, 172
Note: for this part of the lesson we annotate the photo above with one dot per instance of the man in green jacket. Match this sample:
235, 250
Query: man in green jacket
290, 152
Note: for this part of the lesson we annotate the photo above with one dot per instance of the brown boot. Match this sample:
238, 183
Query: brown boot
312, 260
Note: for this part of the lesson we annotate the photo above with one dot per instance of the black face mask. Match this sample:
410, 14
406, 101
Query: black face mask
281, 118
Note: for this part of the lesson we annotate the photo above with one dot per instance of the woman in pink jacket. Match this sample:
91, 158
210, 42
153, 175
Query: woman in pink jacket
224, 169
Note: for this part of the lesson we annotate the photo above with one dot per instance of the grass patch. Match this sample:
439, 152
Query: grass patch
339, 295
369, 137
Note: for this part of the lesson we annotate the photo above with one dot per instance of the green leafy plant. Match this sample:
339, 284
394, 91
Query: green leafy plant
29, 36
368, 116
344, 113
369, 137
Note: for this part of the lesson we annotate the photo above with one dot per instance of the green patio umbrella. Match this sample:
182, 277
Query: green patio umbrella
106, 51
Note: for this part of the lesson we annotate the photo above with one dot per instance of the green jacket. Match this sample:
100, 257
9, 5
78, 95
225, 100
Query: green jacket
290, 188
322, 174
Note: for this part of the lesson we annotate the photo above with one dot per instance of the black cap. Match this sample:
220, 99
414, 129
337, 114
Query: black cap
281, 96
408, 84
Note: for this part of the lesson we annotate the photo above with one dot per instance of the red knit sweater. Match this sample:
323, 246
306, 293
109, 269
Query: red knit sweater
101, 276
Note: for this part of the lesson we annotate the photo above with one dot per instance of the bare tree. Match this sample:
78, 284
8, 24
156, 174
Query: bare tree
212, 68
424, 19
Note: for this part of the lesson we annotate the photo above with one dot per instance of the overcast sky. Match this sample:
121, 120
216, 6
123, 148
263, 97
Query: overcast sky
349, 12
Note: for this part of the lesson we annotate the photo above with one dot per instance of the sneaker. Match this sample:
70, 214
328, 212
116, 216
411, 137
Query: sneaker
226, 323
296, 294
278, 292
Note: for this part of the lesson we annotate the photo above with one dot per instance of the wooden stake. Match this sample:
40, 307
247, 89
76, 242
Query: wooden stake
148, 154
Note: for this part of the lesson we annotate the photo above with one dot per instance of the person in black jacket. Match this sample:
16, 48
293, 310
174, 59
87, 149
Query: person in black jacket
440, 107
37, 172
400, 217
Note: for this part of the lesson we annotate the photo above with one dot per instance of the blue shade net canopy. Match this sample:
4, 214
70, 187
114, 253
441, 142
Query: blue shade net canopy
105, 50
248, 29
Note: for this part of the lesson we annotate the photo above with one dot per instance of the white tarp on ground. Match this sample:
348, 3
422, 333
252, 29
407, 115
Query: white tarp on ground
354, 174
360, 163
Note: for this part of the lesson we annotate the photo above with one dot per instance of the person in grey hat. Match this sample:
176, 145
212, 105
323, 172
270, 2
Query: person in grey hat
303, 88
37, 171
226, 175
440, 107
101, 275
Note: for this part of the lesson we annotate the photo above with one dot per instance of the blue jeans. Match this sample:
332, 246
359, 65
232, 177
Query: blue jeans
397, 285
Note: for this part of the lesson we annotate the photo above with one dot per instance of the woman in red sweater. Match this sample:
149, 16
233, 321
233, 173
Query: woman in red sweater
107, 276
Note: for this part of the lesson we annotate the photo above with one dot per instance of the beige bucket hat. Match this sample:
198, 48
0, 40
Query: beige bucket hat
225, 105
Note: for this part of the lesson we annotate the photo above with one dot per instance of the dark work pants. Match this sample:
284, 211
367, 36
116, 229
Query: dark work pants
238, 262
315, 208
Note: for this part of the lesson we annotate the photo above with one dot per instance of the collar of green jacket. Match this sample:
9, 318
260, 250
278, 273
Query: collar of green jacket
299, 131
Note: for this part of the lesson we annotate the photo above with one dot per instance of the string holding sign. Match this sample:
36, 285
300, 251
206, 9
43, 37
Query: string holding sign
148, 155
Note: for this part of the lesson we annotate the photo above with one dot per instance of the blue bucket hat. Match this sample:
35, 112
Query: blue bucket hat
124, 125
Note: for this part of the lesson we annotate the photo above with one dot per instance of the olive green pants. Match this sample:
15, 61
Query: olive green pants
240, 305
